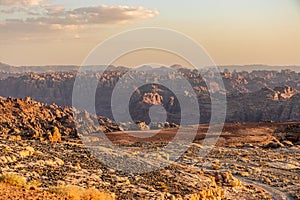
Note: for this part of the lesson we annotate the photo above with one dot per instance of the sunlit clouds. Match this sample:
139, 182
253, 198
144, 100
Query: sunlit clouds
232, 31
20, 2
58, 18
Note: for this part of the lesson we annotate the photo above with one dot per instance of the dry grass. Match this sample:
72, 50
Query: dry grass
12, 180
78, 193
69, 192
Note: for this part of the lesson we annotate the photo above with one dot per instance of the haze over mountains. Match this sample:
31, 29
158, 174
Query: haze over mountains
60, 68
251, 96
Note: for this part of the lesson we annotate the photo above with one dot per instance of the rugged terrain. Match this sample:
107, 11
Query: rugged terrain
44, 155
251, 96
250, 160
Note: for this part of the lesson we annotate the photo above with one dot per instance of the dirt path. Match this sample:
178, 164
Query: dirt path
276, 194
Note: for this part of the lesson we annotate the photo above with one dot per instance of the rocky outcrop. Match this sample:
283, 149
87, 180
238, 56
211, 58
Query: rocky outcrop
264, 105
284, 92
288, 133
26, 118
152, 98
251, 96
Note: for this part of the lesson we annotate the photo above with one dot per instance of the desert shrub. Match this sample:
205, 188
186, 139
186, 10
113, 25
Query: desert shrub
12, 179
78, 193
34, 184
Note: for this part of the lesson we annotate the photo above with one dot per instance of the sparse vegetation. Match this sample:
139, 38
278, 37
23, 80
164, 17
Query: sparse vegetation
48, 167
68, 192
78, 193
214, 193
12, 179
34, 184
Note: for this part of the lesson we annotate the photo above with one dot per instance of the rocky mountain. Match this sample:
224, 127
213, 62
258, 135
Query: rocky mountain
36, 69
278, 104
28, 119
251, 96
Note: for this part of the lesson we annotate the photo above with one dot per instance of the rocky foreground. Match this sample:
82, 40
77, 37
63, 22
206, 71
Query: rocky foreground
39, 143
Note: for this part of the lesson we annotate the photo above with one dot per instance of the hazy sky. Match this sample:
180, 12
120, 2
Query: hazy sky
42, 32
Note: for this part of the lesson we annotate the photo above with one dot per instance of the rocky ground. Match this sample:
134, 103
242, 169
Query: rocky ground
250, 160
249, 172
68, 163
10, 192
228, 172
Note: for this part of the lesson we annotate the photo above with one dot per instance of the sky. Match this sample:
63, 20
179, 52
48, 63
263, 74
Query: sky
233, 32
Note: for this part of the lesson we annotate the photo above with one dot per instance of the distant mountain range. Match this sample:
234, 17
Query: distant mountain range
66, 68
38, 69
251, 96
259, 67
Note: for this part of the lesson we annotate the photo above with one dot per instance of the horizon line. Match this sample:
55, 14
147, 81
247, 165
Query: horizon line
217, 65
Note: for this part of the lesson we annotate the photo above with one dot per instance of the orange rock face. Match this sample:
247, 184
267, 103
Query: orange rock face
152, 98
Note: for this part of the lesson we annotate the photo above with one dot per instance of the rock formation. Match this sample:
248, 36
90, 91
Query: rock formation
26, 118
251, 96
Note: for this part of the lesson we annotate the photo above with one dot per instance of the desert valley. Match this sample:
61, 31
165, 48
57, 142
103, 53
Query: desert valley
44, 156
